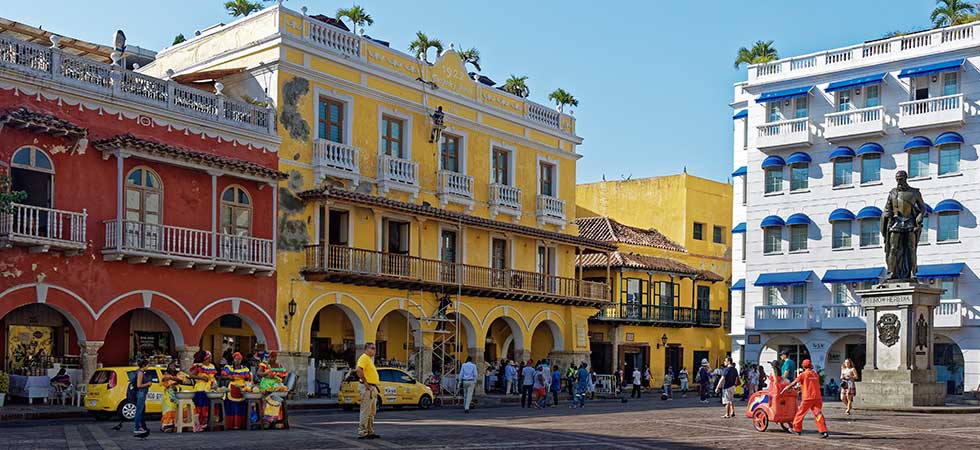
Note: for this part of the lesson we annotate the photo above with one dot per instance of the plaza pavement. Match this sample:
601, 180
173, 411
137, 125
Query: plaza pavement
606, 424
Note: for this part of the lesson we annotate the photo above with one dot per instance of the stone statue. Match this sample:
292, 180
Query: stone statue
901, 224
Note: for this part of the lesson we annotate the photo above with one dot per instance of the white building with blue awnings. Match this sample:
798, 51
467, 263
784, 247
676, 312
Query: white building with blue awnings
817, 141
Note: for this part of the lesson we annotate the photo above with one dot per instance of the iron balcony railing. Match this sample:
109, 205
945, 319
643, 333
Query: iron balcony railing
676, 315
44, 226
340, 259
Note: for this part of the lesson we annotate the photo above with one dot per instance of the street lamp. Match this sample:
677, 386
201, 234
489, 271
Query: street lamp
663, 339
291, 312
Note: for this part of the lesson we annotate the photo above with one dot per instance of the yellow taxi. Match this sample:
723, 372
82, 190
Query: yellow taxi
398, 389
106, 393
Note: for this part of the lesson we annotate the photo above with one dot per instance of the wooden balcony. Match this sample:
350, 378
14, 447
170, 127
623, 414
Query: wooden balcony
43, 229
186, 248
659, 315
342, 264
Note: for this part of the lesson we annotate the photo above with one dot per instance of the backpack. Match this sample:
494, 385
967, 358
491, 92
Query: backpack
131, 387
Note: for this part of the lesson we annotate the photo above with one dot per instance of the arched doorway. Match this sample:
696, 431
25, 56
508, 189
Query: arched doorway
504, 340
36, 338
851, 346
397, 340
232, 333
141, 333
948, 362
545, 339
335, 335
771, 350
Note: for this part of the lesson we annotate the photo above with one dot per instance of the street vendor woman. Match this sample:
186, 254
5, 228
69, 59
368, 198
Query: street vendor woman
273, 377
237, 376
202, 372
172, 378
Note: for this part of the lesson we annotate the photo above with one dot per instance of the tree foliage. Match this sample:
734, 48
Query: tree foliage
471, 56
517, 85
761, 52
240, 8
561, 98
952, 12
358, 17
421, 45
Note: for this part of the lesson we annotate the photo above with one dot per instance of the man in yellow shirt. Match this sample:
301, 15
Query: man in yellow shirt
368, 375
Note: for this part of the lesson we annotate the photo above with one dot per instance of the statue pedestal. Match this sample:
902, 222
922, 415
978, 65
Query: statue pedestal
899, 371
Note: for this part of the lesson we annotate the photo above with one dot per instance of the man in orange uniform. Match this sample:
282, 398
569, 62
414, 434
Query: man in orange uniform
809, 384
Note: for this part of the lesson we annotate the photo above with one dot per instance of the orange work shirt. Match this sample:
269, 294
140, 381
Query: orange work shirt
810, 385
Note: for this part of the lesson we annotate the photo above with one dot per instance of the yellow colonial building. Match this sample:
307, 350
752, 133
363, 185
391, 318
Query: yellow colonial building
435, 242
671, 271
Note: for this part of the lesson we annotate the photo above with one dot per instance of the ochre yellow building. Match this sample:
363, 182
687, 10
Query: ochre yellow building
384, 231
670, 274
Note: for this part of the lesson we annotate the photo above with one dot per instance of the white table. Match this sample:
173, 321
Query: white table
30, 387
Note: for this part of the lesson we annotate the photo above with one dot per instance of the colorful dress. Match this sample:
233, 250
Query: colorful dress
168, 406
272, 385
201, 388
235, 409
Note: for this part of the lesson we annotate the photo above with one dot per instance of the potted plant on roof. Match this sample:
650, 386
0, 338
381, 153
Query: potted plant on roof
4, 387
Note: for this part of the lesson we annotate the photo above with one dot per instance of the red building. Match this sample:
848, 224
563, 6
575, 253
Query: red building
149, 222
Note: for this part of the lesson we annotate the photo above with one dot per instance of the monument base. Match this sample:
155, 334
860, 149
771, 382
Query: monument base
899, 389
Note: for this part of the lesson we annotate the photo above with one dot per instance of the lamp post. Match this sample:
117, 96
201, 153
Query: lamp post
291, 311
663, 341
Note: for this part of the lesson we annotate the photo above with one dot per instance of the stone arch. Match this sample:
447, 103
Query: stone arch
262, 324
554, 321
770, 350
953, 370
169, 309
73, 307
517, 331
353, 308
837, 350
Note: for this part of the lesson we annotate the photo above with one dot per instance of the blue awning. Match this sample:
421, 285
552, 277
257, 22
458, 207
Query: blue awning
740, 228
841, 214
740, 172
949, 137
928, 209
785, 94
741, 114
772, 221
798, 219
739, 285
773, 161
798, 158
869, 212
870, 147
842, 152
856, 82
930, 69
853, 275
783, 278
918, 142
951, 270
948, 205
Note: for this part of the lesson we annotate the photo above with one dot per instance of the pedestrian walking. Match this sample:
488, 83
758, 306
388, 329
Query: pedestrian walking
646, 377
685, 386
726, 387
668, 392
572, 371
540, 388
621, 383
592, 382
809, 384
848, 377
556, 385
583, 382
703, 379
367, 374
510, 376
753, 385
527, 384
141, 387
637, 383
788, 369
467, 380
762, 377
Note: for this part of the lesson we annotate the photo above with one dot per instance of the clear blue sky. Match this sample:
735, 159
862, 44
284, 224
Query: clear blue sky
653, 78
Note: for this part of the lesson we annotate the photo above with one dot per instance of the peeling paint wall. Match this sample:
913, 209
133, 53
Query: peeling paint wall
293, 233
290, 117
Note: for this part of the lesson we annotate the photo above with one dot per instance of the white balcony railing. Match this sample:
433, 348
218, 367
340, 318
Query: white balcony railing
900, 47
785, 133
399, 170
43, 228
455, 183
335, 159
333, 39
549, 206
783, 318
949, 314
62, 67
505, 196
931, 112
843, 317
856, 122
167, 242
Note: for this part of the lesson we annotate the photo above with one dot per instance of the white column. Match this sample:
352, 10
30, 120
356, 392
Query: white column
214, 214
275, 220
119, 198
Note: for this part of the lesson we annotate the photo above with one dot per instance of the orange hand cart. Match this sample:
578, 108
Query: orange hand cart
769, 406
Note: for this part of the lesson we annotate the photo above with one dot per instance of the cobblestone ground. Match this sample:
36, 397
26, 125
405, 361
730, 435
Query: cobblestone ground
646, 424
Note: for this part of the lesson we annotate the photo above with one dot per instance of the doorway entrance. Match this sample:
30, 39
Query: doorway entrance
857, 354
673, 358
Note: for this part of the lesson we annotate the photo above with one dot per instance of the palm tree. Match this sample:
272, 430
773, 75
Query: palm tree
561, 98
357, 16
517, 85
951, 12
471, 56
241, 7
761, 52
179, 38
421, 45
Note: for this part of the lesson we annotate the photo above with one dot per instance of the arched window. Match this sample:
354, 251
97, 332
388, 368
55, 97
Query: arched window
144, 196
236, 211
31, 171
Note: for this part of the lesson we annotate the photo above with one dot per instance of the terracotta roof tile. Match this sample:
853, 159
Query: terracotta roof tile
608, 230
330, 192
135, 144
42, 123
643, 262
